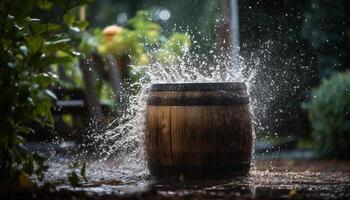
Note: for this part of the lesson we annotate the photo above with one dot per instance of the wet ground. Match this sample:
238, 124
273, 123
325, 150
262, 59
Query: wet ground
270, 179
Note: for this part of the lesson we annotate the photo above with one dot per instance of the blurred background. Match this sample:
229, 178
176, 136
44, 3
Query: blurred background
298, 51
292, 47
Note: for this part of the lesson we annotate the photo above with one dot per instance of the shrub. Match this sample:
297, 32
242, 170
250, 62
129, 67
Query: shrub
329, 113
32, 35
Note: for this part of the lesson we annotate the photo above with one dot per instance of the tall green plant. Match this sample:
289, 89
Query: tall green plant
33, 36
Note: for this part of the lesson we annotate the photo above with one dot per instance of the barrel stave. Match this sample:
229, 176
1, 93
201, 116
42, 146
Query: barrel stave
198, 141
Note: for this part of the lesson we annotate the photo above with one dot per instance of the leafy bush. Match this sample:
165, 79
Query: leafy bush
329, 113
32, 38
139, 43
139, 40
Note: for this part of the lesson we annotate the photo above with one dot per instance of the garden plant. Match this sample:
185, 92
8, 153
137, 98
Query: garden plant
30, 42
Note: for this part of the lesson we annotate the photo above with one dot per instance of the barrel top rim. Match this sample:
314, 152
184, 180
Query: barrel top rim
198, 86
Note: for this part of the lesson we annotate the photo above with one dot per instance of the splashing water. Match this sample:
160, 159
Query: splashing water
124, 141
119, 154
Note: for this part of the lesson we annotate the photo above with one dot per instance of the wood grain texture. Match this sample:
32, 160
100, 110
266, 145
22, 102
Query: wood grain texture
198, 141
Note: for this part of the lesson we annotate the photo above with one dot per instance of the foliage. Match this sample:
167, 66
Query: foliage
326, 25
139, 40
32, 37
196, 17
329, 113
75, 178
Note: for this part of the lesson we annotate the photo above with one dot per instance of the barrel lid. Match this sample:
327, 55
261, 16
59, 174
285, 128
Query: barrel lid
212, 86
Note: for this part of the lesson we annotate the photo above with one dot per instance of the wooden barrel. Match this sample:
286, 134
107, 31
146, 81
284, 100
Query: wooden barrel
198, 130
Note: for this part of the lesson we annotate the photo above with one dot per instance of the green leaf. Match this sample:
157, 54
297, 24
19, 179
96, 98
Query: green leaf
25, 130
19, 140
39, 171
76, 53
57, 45
51, 94
45, 4
24, 50
73, 178
50, 60
83, 172
74, 29
37, 28
61, 41
34, 43
81, 24
43, 79
40, 28
53, 27
29, 19
69, 19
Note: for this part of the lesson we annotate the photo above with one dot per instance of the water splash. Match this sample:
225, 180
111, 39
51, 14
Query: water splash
124, 142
